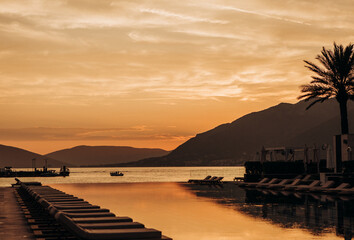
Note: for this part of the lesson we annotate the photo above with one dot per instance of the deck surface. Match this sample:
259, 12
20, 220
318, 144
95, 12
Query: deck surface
12, 222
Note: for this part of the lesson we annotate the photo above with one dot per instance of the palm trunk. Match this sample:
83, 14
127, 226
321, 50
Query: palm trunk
344, 116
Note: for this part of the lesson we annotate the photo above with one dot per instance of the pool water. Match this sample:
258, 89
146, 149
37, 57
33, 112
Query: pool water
193, 212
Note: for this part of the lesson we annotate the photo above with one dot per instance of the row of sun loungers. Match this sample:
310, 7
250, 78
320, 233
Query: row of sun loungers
301, 185
84, 220
207, 180
301, 195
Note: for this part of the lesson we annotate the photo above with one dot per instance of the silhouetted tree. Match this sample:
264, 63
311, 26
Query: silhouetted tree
335, 78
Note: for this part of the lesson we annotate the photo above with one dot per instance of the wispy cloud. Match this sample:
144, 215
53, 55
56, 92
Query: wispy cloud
211, 34
179, 16
84, 134
261, 14
138, 37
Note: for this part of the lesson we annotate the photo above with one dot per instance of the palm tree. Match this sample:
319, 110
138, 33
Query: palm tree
334, 79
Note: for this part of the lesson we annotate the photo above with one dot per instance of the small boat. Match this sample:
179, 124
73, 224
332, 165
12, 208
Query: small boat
117, 173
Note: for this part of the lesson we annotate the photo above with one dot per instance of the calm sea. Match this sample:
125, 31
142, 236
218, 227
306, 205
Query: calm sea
147, 174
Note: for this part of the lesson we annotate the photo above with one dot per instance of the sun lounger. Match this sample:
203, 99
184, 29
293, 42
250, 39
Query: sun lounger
217, 180
70, 203
294, 182
77, 205
293, 185
18, 182
65, 200
102, 220
281, 184
53, 210
273, 181
90, 210
307, 177
213, 180
253, 184
341, 187
83, 206
207, 177
314, 183
210, 179
325, 186
92, 214
198, 180
45, 192
119, 234
113, 225
59, 197
347, 191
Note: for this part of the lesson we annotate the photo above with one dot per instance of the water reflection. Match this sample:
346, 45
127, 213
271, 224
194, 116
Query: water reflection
192, 212
318, 214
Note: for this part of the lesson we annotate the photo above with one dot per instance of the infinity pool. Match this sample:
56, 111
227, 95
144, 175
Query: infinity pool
192, 212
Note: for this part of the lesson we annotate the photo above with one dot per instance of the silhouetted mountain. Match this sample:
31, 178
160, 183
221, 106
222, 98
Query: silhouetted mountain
17, 157
281, 125
104, 155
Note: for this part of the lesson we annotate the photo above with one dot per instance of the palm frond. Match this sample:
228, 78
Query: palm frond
334, 76
312, 91
327, 59
314, 68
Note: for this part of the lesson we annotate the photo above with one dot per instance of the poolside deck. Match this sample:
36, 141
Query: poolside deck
13, 225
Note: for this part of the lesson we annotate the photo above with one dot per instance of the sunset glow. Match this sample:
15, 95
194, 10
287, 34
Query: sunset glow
152, 73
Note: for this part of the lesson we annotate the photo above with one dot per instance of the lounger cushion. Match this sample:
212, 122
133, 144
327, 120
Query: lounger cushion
102, 220
113, 225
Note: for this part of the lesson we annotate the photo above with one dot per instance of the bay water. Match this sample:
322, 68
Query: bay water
133, 174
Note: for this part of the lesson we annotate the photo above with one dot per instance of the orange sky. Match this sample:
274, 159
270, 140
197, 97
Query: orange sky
152, 73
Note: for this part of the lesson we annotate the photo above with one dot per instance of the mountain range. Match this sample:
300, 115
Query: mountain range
285, 124
76, 156
17, 157
104, 155
229, 144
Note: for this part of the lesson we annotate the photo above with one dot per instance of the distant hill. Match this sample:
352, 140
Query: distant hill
234, 143
104, 155
17, 157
